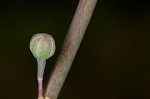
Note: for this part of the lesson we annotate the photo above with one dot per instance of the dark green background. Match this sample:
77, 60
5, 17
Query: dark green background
113, 61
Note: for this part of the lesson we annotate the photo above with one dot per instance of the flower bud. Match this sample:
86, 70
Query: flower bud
42, 46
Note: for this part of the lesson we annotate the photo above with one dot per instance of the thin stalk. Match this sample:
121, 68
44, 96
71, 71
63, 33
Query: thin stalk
41, 67
40, 87
70, 46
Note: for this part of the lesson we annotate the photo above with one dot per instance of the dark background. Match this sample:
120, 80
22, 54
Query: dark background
113, 61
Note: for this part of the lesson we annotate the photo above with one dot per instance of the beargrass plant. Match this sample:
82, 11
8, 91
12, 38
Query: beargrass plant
42, 46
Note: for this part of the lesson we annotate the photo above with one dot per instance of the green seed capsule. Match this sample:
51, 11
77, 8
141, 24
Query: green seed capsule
42, 46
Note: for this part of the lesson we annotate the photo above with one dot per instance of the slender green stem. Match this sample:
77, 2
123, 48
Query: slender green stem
41, 66
40, 73
70, 46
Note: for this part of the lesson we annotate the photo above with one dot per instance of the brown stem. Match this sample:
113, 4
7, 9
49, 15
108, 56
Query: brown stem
70, 46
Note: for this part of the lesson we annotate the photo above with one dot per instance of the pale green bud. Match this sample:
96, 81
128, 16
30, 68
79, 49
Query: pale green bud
42, 46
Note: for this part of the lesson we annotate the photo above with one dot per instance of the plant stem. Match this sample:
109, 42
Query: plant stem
40, 70
70, 46
40, 87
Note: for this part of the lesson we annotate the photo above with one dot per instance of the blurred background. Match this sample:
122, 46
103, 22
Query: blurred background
113, 61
